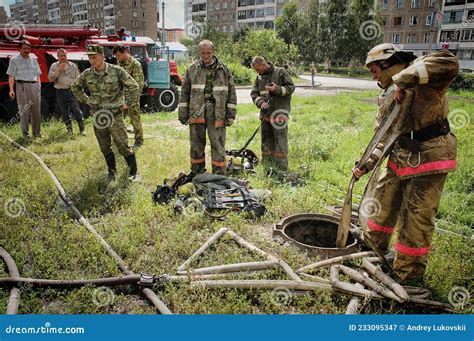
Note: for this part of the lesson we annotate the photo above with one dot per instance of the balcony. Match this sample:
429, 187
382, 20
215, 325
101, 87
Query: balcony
454, 2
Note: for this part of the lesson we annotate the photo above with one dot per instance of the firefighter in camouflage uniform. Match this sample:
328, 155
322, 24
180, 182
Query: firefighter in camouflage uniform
410, 187
112, 90
208, 101
271, 93
134, 69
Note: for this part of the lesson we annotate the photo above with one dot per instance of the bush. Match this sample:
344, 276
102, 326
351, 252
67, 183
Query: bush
182, 65
241, 74
464, 81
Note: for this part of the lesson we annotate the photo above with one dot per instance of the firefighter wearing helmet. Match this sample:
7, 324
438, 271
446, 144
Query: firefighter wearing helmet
409, 189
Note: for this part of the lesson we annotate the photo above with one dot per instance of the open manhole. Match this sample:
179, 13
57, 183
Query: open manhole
315, 233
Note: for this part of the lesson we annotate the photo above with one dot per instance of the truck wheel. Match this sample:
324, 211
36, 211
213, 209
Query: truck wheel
167, 99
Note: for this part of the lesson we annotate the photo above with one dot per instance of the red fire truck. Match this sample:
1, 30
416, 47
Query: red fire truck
45, 40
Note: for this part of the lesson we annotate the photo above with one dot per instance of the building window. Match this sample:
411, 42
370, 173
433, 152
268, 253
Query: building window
269, 25
269, 11
428, 20
453, 17
414, 20
431, 3
415, 3
411, 38
449, 36
465, 54
427, 38
468, 35
396, 38
399, 3
384, 4
397, 21
241, 15
260, 13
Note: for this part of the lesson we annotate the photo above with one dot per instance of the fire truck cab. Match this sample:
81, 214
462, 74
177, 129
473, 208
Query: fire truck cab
46, 40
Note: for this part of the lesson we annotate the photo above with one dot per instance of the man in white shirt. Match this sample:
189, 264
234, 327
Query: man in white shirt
63, 73
25, 71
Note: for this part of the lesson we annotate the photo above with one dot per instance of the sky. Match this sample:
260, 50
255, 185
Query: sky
174, 12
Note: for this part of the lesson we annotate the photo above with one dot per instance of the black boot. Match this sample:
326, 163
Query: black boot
132, 165
82, 128
110, 161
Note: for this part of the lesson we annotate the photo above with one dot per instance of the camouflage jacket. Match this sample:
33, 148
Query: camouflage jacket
134, 69
106, 90
192, 97
429, 77
281, 99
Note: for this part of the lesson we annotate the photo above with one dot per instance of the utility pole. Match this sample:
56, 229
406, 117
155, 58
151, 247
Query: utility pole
163, 43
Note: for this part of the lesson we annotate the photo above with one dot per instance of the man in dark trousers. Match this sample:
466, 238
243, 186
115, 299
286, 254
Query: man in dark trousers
271, 93
208, 101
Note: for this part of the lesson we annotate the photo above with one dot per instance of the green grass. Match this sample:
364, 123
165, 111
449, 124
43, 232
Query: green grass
327, 134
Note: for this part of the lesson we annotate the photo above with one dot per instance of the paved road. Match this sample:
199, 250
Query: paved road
328, 86
346, 83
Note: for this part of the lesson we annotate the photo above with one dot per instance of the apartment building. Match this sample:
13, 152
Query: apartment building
22, 11
139, 17
3, 15
409, 23
227, 15
457, 31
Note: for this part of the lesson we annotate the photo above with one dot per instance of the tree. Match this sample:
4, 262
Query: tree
287, 24
206, 30
307, 37
339, 30
266, 43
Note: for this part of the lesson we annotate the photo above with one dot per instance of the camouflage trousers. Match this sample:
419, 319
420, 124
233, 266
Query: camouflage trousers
197, 137
274, 144
134, 112
108, 128
410, 205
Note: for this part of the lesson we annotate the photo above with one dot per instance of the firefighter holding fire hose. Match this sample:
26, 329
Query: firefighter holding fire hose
410, 187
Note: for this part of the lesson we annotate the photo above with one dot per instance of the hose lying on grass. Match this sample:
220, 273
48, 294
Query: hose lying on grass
149, 294
14, 299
